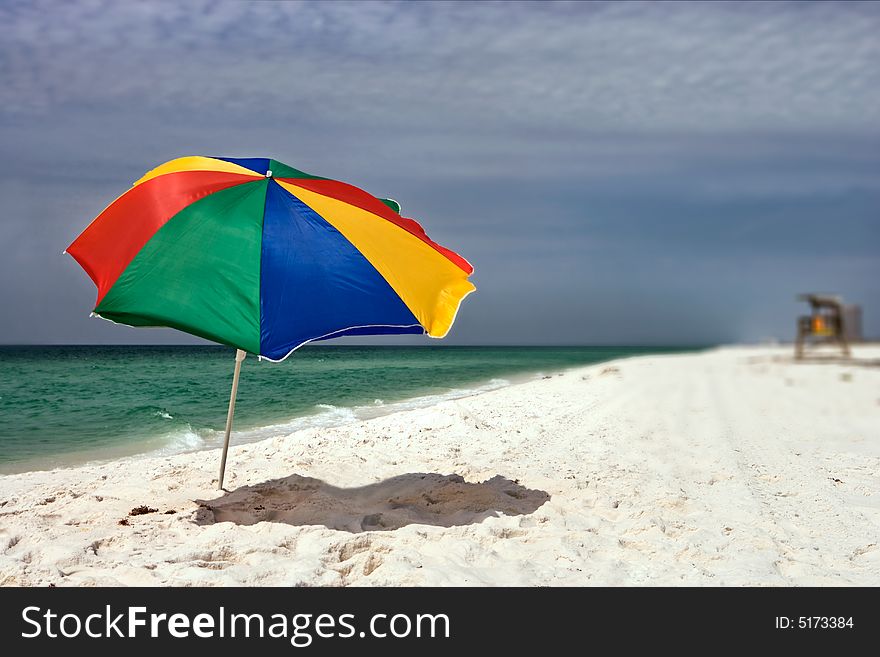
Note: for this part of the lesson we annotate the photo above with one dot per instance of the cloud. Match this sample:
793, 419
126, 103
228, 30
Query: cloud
615, 171
570, 67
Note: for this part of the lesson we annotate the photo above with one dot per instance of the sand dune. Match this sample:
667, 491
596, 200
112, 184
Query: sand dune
731, 467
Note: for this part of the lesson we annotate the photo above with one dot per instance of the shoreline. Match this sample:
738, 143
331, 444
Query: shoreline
317, 420
324, 416
732, 466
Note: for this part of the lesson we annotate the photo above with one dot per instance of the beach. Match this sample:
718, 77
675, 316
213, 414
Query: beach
735, 466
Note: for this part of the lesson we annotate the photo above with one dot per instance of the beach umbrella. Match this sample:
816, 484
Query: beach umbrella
257, 255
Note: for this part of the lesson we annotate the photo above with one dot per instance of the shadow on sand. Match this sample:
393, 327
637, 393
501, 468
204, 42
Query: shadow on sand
417, 498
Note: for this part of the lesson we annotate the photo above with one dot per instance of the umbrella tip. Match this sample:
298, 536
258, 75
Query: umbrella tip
64, 252
269, 173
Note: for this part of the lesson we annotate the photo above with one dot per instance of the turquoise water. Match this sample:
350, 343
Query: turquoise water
70, 404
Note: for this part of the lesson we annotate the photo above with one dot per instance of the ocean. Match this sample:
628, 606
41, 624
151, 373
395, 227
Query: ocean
66, 405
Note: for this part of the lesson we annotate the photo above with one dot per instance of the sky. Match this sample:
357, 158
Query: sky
624, 173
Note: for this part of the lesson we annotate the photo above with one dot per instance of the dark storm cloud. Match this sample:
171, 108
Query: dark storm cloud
617, 172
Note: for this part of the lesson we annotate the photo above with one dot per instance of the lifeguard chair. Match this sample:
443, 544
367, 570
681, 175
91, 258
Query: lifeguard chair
825, 324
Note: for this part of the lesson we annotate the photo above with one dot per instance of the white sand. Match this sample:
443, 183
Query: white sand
731, 467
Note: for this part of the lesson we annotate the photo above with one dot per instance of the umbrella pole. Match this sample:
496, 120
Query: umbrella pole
239, 356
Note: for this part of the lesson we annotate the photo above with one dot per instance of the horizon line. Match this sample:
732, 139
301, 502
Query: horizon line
328, 344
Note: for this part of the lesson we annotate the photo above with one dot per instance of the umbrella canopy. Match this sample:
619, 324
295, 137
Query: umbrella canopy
260, 256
